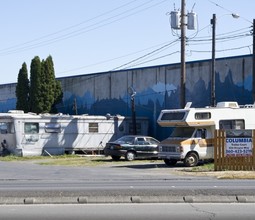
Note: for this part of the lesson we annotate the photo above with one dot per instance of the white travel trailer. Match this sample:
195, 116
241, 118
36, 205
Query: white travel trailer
192, 137
28, 134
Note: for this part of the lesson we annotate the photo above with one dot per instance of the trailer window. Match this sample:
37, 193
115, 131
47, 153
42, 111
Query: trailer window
185, 132
93, 127
31, 128
232, 124
202, 115
52, 128
6, 127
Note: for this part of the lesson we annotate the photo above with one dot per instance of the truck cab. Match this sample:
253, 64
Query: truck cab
187, 144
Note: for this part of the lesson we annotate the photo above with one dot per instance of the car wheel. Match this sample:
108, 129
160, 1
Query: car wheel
170, 162
115, 157
130, 155
191, 160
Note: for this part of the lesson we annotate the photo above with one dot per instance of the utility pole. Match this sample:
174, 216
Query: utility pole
253, 62
178, 22
183, 64
213, 23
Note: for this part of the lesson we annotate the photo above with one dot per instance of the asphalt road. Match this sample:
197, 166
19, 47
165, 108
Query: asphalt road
25, 182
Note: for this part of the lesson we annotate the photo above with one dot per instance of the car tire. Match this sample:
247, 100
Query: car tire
170, 162
130, 155
116, 158
191, 160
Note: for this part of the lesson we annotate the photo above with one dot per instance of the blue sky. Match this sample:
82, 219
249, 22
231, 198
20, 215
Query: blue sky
90, 36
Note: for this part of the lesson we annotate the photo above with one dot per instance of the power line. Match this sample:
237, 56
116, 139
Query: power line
97, 25
132, 61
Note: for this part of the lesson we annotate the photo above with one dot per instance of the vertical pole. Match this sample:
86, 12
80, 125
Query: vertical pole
253, 63
213, 23
133, 114
75, 107
183, 65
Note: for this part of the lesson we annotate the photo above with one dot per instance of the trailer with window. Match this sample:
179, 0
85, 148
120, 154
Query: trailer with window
193, 133
28, 134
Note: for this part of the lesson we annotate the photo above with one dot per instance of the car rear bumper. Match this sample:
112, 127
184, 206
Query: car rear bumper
109, 152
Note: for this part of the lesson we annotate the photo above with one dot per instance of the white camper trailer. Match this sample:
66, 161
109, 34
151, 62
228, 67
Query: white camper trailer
192, 137
28, 134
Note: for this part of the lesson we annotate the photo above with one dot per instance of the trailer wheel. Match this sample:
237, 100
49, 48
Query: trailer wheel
170, 162
191, 160
130, 155
116, 158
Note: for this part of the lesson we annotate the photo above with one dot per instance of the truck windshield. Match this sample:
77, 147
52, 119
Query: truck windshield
183, 132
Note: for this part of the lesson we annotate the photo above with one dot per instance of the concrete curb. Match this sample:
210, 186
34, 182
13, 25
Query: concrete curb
127, 199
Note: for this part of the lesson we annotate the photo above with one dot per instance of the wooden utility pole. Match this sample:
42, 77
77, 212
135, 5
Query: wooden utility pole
253, 62
183, 64
213, 23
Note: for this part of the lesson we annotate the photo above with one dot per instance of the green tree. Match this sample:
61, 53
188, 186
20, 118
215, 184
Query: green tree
22, 89
36, 81
52, 91
44, 91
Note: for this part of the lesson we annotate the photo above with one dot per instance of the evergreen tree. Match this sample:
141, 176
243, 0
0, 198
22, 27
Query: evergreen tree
22, 90
52, 88
44, 91
58, 96
36, 100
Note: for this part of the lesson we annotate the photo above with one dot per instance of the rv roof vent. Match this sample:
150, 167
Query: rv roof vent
227, 105
16, 111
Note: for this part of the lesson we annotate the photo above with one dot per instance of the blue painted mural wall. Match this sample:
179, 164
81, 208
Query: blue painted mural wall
156, 87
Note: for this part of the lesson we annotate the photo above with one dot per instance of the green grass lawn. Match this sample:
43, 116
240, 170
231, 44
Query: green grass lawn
73, 160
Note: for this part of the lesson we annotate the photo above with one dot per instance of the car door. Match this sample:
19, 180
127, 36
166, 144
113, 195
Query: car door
141, 148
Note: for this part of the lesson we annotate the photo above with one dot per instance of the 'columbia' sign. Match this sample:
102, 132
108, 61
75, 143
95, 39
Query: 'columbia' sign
238, 146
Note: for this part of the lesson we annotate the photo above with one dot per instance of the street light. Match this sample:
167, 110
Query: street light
213, 23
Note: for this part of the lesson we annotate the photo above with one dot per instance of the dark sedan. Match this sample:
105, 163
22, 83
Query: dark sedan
131, 147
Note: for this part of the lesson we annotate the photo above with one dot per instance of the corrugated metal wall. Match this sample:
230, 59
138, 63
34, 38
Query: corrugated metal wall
156, 87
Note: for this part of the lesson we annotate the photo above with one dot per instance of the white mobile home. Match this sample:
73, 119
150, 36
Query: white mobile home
192, 137
27, 134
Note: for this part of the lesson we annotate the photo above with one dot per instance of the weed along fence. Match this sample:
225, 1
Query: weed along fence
234, 150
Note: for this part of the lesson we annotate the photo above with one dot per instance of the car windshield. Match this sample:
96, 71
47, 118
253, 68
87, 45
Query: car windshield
185, 132
126, 140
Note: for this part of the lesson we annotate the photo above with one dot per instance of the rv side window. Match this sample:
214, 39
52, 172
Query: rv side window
6, 127
232, 124
31, 128
52, 128
202, 115
93, 127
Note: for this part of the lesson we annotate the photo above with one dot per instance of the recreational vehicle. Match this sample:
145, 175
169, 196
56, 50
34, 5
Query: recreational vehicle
28, 134
192, 137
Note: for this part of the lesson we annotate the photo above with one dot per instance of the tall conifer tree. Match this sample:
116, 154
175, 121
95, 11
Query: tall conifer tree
44, 91
22, 90
36, 100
